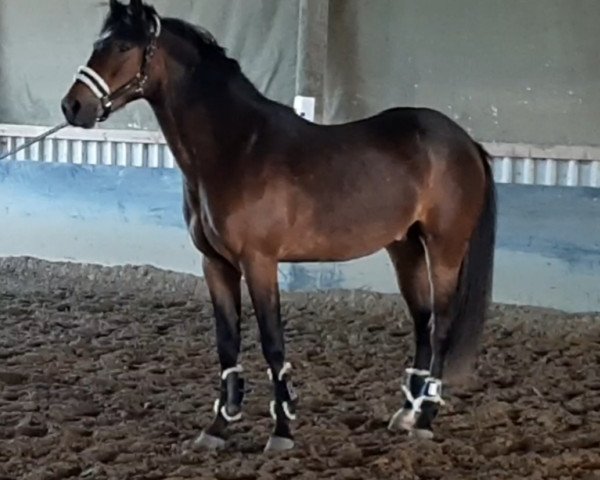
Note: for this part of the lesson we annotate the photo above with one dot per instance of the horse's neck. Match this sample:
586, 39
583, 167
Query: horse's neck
181, 148
199, 135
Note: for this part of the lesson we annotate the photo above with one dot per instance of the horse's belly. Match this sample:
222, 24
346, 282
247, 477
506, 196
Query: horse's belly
327, 255
342, 244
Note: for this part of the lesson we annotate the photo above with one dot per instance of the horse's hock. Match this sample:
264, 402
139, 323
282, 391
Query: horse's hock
109, 372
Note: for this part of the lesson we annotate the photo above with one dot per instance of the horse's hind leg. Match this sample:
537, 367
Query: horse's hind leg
428, 270
223, 281
445, 255
408, 258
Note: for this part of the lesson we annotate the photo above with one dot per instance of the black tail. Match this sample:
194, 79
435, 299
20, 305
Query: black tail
475, 284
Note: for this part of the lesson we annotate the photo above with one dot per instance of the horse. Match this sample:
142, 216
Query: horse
262, 185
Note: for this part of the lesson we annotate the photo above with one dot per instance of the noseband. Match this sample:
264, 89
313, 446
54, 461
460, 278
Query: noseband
100, 88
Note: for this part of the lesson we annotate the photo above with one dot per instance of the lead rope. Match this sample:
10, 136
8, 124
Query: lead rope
35, 140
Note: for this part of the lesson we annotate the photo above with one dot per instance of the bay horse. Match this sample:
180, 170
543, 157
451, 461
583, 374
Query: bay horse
261, 185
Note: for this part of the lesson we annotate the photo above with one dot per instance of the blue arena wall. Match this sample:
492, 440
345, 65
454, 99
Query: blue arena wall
548, 251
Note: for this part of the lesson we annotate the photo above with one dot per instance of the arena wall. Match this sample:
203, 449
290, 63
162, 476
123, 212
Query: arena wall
115, 215
520, 76
518, 72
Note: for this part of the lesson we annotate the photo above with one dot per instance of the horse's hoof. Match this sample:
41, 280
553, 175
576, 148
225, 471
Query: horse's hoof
209, 442
403, 419
421, 434
279, 444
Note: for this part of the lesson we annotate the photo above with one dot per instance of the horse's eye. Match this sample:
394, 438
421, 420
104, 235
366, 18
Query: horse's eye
124, 46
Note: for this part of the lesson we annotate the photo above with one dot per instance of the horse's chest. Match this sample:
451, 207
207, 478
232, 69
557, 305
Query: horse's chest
208, 231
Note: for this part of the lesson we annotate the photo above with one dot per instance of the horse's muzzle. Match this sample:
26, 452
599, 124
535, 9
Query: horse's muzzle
80, 113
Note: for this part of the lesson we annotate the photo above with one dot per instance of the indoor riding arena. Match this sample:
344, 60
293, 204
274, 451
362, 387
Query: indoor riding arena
113, 356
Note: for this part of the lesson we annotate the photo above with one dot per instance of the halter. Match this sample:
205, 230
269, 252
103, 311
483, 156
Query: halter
100, 88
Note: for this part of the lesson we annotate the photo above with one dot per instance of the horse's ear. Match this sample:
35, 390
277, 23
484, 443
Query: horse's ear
136, 7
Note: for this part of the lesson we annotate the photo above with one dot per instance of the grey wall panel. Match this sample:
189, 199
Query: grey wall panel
512, 70
520, 71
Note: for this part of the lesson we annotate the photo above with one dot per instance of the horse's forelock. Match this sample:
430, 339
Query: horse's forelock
121, 21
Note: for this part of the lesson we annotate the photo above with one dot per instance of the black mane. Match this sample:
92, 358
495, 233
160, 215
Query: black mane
124, 26
202, 39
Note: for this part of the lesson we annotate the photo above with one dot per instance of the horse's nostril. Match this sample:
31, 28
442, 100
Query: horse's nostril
75, 107
71, 109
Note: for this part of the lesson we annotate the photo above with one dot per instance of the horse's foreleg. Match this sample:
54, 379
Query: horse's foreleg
261, 276
223, 281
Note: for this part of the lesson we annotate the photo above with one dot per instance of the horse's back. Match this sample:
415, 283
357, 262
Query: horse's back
430, 124
437, 138
391, 127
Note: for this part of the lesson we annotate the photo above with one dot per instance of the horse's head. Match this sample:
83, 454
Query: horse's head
120, 67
